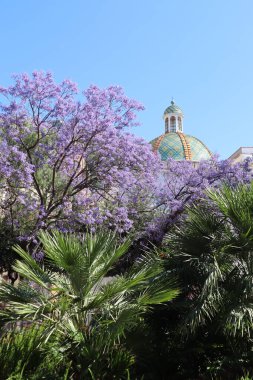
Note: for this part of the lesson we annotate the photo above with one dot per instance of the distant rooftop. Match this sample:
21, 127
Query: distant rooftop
242, 153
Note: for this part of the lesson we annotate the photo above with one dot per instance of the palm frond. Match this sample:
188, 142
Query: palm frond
30, 269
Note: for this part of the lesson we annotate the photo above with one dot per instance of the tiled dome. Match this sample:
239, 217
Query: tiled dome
179, 146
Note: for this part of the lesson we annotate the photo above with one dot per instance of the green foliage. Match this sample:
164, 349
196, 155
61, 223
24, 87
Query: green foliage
93, 326
7, 240
85, 314
246, 377
22, 356
207, 331
212, 251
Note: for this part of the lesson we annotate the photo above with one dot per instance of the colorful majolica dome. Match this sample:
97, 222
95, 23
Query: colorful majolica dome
180, 147
174, 143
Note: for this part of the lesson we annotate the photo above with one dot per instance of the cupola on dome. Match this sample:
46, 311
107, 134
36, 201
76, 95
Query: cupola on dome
173, 108
174, 143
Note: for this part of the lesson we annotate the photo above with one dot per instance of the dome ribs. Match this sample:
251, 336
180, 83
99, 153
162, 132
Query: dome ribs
186, 146
157, 143
180, 146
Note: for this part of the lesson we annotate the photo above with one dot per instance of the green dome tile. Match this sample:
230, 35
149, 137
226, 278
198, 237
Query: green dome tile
170, 145
198, 149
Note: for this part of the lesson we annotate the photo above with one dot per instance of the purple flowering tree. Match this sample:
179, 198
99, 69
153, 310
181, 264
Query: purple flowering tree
182, 184
66, 162
177, 186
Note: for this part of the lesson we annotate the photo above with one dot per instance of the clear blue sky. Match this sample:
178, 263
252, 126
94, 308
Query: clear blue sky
198, 51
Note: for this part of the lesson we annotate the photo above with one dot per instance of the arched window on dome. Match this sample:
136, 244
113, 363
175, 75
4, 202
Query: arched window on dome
166, 125
173, 124
179, 124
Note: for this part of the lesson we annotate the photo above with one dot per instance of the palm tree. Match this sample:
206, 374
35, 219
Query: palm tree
75, 303
206, 332
212, 253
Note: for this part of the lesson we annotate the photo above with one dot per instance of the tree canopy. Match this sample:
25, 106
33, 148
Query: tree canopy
66, 162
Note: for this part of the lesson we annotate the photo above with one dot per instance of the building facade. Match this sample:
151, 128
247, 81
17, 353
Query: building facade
241, 154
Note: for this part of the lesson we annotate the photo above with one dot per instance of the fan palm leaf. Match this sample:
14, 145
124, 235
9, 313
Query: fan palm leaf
71, 290
212, 253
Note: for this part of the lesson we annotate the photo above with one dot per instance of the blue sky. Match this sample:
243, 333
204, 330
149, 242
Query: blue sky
198, 51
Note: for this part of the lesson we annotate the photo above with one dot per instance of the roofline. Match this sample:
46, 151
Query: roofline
238, 151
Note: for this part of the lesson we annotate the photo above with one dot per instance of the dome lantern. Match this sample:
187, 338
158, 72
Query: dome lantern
174, 143
173, 118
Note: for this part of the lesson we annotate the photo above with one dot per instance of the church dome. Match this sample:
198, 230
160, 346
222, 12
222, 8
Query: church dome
173, 108
180, 147
174, 143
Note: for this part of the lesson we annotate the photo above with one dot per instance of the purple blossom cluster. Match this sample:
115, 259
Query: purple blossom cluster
182, 184
66, 163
